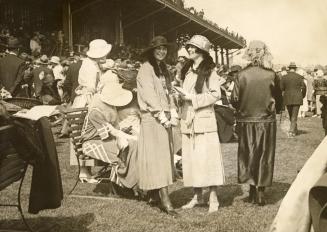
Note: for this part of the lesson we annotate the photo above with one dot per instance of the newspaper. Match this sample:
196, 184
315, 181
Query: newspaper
37, 112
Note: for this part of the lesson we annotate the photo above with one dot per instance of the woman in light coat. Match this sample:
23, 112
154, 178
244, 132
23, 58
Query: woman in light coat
202, 158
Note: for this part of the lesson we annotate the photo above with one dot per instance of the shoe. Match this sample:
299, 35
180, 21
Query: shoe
194, 202
154, 198
169, 210
166, 205
252, 194
213, 206
261, 201
88, 179
213, 202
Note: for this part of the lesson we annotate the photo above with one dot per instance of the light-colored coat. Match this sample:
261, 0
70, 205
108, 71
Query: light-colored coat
202, 158
151, 94
198, 115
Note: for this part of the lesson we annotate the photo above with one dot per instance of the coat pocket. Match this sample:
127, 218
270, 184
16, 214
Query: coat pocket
205, 122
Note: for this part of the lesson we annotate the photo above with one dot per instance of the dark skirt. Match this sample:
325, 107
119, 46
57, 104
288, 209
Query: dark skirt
256, 152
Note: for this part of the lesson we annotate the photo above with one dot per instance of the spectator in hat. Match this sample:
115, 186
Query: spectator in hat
89, 76
90, 72
294, 90
39, 73
202, 157
35, 44
12, 69
320, 89
155, 152
58, 72
103, 139
257, 98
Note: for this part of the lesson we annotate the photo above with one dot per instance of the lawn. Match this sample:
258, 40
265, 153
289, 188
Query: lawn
119, 214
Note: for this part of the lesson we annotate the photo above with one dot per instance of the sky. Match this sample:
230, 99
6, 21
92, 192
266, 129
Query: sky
294, 30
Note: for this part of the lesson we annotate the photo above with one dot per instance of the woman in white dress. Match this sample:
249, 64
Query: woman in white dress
202, 158
88, 80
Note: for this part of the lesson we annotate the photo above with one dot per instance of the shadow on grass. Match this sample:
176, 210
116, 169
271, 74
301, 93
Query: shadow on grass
228, 193
276, 192
78, 223
301, 132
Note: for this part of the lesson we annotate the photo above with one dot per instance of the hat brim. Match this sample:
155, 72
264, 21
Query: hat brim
121, 99
292, 66
147, 50
195, 45
95, 54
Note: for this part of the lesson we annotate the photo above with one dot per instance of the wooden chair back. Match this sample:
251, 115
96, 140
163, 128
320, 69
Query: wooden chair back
75, 118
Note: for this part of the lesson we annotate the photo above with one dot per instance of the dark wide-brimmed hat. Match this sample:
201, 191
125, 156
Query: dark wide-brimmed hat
234, 69
157, 41
292, 65
13, 43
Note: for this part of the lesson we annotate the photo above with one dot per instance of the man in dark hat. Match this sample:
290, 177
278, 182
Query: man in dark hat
294, 90
12, 68
40, 73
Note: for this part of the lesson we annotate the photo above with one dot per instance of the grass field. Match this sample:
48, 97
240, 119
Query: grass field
117, 214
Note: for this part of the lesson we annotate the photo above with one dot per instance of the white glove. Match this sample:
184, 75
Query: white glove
162, 117
122, 143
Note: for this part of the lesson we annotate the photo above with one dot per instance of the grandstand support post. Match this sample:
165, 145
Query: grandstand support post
222, 56
216, 54
227, 57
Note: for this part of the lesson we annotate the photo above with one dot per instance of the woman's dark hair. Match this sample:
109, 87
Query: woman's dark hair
204, 70
159, 69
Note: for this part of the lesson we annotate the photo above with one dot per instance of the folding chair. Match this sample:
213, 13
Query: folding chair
75, 118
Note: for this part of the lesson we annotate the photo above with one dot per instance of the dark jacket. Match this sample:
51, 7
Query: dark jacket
35, 142
256, 95
320, 86
294, 88
38, 83
11, 72
71, 81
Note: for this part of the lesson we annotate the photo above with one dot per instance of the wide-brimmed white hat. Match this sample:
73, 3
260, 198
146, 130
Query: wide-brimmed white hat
98, 48
113, 94
55, 60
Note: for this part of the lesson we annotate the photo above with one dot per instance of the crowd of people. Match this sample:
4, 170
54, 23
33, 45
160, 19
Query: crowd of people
140, 115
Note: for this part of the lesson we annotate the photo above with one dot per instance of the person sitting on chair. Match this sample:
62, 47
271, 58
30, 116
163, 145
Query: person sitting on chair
103, 139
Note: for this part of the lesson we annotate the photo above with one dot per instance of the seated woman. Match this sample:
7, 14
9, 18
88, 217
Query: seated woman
103, 139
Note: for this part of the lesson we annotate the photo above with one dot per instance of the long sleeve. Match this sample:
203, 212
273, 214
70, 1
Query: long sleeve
277, 94
68, 83
303, 89
235, 96
148, 98
87, 76
19, 78
209, 97
281, 84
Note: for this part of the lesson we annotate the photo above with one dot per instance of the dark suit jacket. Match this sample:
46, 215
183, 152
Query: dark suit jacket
71, 81
294, 88
11, 72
